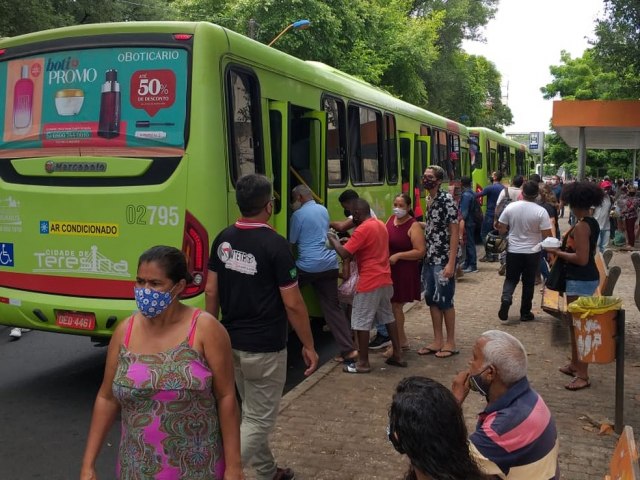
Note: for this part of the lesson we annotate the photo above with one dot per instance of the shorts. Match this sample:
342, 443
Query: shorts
370, 306
436, 294
581, 288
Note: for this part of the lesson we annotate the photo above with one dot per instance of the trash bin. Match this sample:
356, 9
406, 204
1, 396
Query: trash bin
594, 325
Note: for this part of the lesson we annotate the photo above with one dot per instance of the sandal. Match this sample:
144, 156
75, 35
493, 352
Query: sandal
568, 370
572, 384
353, 368
389, 351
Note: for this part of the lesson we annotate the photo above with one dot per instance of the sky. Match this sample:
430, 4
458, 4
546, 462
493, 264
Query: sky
523, 40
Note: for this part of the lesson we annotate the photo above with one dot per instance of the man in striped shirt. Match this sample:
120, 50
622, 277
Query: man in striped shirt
515, 436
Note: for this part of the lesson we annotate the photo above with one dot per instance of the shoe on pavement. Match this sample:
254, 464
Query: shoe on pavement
527, 317
502, 270
284, 474
484, 259
470, 270
15, 333
503, 313
379, 342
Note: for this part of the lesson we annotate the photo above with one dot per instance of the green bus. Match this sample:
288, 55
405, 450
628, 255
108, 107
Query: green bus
117, 137
493, 152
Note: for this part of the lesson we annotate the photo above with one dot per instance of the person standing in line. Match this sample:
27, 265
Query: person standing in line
468, 205
347, 200
602, 214
492, 192
582, 276
253, 279
527, 224
406, 249
513, 193
318, 265
369, 244
629, 205
556, 187
438, 271
169, 373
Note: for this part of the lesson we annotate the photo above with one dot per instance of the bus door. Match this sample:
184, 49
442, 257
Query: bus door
422, 162
407, 170
279, 136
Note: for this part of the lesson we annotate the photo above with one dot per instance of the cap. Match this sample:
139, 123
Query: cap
605, 184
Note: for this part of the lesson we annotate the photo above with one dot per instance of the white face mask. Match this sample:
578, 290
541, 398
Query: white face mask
399, 212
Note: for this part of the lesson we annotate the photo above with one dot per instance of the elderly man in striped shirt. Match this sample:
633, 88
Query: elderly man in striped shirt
515, 436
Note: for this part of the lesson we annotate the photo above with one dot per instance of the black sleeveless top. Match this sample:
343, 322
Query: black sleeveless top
589, 271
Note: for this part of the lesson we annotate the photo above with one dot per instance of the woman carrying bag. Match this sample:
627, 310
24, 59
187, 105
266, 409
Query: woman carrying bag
578, 255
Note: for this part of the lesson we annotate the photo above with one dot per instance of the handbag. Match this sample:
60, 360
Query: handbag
557, 279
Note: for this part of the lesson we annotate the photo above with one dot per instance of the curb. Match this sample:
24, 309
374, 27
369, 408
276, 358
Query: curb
306, 385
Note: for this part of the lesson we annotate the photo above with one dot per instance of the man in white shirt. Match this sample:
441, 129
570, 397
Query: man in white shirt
602, 215
528, 224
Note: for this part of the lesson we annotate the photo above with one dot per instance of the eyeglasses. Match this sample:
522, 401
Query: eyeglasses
271, 200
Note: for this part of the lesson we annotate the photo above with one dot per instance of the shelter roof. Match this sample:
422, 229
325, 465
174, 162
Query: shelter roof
608, 124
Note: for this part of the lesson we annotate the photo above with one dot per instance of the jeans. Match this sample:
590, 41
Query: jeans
603, 239
438, 292
471, 260
544, 266
260, 379
520, 265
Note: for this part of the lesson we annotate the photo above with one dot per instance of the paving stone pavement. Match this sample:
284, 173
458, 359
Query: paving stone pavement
333, 425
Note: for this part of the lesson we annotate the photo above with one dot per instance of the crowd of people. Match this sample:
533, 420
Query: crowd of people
174, 372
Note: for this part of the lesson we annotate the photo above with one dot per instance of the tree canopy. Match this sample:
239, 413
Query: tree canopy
412, 48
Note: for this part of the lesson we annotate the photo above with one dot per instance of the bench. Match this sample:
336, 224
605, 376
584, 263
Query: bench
555, 303
624, 462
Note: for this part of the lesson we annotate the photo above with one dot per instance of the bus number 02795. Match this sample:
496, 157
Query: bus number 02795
152, 215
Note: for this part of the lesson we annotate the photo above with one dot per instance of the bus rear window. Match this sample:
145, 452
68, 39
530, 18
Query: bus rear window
104, 101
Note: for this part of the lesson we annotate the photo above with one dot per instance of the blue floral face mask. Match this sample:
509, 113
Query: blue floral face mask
152, 303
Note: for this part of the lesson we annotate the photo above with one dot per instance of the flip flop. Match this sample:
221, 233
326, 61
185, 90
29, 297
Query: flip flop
396, 363
427, 351
353, 368
450, 353
571, 385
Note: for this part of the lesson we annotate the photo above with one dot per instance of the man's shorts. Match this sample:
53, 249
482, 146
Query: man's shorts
436, 294
370, 306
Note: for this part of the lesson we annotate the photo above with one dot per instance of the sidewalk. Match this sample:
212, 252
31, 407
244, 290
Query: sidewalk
333, 425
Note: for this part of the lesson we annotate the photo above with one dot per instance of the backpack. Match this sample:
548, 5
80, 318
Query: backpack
506, 200
475, 212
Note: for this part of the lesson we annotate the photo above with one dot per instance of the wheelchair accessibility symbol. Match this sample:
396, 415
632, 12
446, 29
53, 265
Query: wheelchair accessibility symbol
6, 254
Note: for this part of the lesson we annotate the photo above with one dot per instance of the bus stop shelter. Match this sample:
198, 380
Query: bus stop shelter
598, 124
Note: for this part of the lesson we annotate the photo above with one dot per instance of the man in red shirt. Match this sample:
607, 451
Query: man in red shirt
369, 244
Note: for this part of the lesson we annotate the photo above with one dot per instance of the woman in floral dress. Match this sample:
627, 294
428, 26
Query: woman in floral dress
169, 372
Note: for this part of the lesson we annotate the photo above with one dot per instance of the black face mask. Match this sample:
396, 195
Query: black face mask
347, 213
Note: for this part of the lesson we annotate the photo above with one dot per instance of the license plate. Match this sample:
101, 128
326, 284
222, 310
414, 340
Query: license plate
76, 320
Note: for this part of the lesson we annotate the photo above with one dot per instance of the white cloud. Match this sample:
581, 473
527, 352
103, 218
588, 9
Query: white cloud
523, 40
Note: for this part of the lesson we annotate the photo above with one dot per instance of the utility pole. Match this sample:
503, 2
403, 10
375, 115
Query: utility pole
253, 26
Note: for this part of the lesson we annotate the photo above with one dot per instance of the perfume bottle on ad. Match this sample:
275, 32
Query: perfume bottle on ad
22, 100
109, 123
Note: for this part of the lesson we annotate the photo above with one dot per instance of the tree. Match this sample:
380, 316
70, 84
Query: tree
35, 15
617, 45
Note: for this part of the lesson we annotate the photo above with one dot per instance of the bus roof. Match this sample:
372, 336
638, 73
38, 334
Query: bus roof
313, 73
498, 137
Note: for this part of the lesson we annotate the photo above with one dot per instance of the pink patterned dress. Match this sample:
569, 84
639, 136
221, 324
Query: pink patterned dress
170, 427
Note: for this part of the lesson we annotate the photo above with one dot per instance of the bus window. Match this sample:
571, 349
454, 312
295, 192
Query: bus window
503, 160
454, 165
337, 171
405, 159
440, 151
475, 156
493, 162
364, 143
520, 162
391, 149
246, 144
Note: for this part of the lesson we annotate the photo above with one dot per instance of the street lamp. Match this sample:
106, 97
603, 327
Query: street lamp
298, 25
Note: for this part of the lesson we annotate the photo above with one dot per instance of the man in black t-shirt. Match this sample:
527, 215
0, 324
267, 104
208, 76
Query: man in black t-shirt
253, 278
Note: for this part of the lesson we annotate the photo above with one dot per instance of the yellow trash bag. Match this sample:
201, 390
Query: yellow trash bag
588, 306
594, 325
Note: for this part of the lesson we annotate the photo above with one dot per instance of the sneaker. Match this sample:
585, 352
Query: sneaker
484, 259
503, 313
15, 332
502, 270
527, 317
284, 474
379, 342
470, 270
